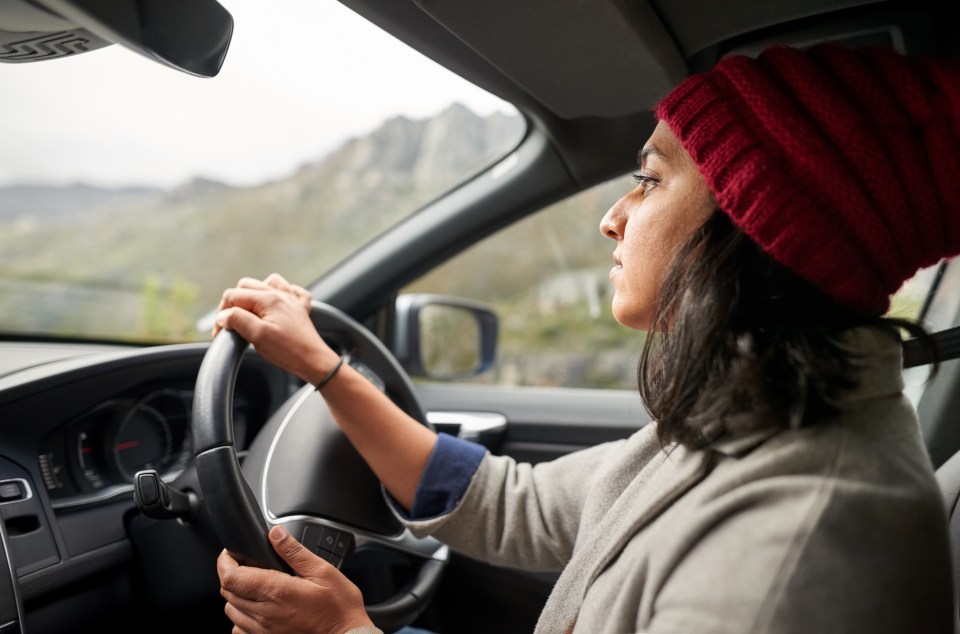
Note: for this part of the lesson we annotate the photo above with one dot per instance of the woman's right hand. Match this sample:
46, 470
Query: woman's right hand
318, 600
273, 315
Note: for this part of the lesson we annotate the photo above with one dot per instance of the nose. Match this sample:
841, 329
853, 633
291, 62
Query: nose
611, 225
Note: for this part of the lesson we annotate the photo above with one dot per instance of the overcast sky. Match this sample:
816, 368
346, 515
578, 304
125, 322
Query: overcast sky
300, 77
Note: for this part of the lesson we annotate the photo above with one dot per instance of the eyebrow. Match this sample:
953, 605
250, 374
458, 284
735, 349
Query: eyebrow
650, 150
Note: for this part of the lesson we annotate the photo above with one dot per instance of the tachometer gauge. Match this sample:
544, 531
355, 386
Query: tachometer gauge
90, 467
90, 463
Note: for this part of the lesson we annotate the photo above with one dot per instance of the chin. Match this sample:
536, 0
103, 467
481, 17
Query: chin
630, 317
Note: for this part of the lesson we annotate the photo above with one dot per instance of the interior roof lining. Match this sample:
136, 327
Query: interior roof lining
699, 24
535, 83
602, 47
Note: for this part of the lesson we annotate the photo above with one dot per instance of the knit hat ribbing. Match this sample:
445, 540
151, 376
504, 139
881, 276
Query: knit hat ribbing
842, 165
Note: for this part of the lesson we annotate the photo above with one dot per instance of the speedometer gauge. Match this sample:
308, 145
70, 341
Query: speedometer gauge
152, 435
144, 441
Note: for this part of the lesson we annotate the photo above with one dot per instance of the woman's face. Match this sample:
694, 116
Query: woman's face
651, 223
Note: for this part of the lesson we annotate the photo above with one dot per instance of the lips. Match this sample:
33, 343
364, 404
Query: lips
617, 266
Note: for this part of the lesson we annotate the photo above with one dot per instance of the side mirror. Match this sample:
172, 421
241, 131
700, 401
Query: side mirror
441, 337
191, 36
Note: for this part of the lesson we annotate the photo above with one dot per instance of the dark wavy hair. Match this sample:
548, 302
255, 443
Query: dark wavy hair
739, 343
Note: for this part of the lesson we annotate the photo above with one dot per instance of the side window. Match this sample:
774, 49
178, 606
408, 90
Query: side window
546, 277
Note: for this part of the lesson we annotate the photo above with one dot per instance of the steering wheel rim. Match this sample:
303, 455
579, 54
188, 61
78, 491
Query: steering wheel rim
234, 509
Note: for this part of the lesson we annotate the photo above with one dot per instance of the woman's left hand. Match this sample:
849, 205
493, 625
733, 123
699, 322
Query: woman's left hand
319, 600
274, 316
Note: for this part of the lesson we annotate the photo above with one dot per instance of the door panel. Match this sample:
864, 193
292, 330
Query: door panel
543, 423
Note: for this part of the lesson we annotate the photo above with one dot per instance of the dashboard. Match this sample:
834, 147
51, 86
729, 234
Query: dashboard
77, 422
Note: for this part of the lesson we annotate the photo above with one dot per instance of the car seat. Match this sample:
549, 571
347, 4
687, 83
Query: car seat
948, 475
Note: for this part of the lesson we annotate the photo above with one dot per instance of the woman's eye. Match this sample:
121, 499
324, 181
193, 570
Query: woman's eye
645, 181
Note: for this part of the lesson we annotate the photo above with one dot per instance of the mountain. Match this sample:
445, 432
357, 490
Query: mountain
403, 164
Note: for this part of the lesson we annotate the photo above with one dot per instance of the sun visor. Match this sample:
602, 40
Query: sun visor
191, 36
617, 53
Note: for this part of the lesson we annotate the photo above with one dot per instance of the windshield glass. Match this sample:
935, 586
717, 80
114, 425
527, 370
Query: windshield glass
132, 194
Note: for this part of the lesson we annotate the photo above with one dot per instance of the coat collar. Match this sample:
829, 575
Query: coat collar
879, 362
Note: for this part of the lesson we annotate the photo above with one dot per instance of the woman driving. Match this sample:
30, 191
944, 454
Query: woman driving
784, 485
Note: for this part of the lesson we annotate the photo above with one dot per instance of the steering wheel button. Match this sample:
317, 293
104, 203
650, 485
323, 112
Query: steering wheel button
342, 544
328, 537
311, 537
330, 557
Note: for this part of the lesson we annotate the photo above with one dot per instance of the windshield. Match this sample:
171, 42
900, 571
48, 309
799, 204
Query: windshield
131, 194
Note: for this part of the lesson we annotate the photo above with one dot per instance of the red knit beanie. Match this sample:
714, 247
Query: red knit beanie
842, 165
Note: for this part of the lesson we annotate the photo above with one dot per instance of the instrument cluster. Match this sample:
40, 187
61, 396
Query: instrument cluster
96, 456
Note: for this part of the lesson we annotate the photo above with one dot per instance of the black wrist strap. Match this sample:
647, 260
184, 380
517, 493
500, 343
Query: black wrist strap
330, 375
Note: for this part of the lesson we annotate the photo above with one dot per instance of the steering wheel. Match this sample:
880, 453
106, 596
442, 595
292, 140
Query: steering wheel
302, 472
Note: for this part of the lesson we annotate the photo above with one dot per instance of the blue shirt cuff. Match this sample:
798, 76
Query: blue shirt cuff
445, 480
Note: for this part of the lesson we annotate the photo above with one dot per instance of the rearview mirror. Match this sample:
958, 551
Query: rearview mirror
441, 337
191, 36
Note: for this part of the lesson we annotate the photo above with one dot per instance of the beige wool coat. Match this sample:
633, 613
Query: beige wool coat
835, 528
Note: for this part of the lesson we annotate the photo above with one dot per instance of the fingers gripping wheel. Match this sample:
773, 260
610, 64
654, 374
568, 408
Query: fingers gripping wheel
235, 511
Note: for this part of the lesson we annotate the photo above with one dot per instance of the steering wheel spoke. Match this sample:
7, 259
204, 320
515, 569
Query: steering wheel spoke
336, 542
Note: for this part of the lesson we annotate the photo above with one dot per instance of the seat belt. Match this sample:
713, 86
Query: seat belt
947, 342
